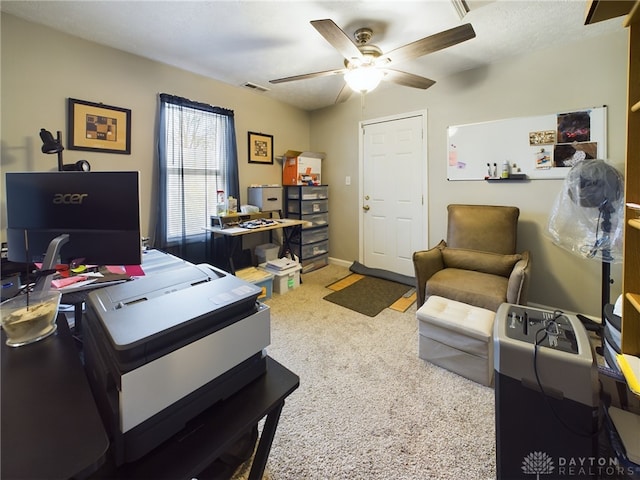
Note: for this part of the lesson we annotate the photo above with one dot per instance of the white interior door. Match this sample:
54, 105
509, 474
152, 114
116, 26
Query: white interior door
393, 194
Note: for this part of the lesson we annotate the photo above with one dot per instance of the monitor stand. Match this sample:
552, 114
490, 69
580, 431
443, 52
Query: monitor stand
43, 284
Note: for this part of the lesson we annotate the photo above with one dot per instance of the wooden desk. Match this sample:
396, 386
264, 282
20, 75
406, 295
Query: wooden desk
51, 427
233, 236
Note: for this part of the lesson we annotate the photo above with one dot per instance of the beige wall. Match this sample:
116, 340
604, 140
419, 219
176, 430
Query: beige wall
41, 68
578, 76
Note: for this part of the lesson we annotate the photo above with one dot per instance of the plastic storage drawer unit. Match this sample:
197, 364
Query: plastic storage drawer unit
308, 193
314, 220
314, 263
306, 251
314, 235
312, 206
309, 203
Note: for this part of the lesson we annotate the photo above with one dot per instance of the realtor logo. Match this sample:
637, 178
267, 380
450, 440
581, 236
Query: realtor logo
537, 463
540, 464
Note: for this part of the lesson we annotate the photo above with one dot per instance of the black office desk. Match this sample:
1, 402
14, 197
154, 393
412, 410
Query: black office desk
208, 436
51, 427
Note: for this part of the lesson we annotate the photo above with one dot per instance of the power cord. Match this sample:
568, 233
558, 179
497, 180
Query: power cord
546, 332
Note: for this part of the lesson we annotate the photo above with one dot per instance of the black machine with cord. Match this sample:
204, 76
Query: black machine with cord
546, 395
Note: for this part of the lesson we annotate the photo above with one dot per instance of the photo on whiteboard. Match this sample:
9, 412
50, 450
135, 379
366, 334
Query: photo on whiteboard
453, 155
568, 155
545, 137
543, 159
574, 127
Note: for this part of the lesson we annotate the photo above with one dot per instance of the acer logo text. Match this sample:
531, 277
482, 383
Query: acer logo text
69, 198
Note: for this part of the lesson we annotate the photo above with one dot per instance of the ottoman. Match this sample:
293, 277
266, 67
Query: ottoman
458, 337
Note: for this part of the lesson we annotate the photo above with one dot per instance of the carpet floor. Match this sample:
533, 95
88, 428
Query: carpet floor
367, 406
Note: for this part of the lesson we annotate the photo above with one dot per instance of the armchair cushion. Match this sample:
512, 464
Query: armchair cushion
485, 262
468, 286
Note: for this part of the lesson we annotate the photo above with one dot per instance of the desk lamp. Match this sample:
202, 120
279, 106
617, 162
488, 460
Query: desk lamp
54, 145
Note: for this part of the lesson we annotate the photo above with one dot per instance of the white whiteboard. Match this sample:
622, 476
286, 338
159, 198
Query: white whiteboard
565, 138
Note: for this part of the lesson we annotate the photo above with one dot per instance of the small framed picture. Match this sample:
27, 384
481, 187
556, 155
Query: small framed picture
97, 127
260, 148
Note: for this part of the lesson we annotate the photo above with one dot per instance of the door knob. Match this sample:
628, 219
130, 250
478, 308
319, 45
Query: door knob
366, 208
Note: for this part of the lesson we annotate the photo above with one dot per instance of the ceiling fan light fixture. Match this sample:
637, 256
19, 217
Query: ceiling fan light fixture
366, 64
363, 79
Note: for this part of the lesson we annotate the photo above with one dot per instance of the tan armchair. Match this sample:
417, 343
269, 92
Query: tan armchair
478, 264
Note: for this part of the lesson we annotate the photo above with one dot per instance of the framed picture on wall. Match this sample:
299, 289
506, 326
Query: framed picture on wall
97, 127
260, 148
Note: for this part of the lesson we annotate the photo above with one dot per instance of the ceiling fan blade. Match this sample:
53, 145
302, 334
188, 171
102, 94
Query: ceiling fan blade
306, 76
344, 94
337, 38
407, 79
432, 43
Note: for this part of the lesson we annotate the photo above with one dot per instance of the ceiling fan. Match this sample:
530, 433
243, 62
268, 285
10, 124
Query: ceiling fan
365, 65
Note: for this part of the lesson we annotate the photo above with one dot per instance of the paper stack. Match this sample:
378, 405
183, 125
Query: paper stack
281, 264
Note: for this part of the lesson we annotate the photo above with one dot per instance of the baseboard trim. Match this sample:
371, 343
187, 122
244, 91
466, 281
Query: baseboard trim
340, 262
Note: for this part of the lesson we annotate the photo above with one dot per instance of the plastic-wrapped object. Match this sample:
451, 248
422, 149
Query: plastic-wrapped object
587, 217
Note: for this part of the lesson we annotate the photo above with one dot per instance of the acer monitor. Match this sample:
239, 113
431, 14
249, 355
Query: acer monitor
94, 217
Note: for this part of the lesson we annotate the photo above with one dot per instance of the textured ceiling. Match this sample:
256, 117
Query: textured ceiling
255, 41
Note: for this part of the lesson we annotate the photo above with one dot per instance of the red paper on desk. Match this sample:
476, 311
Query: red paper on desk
134, 270
118, 269
65, 282
131, 270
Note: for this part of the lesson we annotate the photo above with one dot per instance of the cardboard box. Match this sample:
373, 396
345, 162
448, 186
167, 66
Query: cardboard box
300, 168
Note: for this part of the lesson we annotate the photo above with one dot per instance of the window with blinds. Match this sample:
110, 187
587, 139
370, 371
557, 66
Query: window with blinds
195, 168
